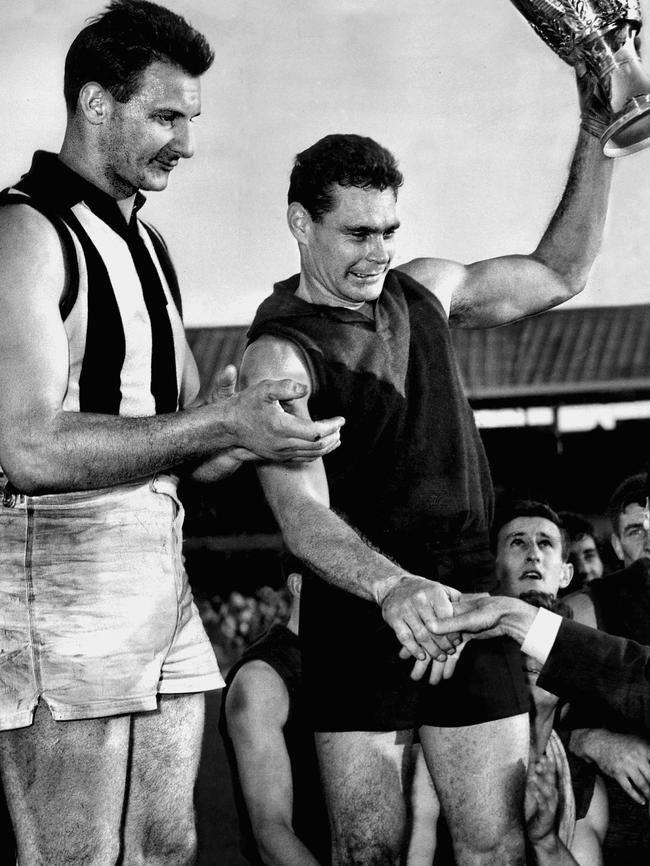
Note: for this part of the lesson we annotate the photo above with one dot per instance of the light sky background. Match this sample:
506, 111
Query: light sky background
481, 114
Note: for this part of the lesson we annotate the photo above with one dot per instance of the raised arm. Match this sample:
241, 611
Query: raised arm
299, 498
44, 449
507, 288
257, 709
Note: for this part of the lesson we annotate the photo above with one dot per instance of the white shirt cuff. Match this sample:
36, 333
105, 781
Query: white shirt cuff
541, 635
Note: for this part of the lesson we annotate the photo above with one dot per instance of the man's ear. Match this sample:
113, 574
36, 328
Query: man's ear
294, 582
567, 575
299, 221
616, 544
94, 102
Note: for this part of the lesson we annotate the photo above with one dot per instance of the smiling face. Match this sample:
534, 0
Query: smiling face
143, 139
346, 253
530, 556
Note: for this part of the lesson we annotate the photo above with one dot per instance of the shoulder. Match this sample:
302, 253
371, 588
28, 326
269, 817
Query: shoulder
256, 684
30, 249
21, 221
440, 276
271, 357
257, 692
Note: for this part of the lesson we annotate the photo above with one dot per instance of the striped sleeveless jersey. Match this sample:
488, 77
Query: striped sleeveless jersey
121, 311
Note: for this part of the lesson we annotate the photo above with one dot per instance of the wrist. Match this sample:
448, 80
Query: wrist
385, 585
517, 618
593, 126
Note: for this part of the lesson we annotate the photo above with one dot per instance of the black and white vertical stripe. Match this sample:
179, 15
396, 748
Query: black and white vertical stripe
125, 333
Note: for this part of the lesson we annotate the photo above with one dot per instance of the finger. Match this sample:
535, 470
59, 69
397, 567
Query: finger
639, 783
629, 789
283, 390
420, 668
452, 661
405, 636
226, 381
437, 671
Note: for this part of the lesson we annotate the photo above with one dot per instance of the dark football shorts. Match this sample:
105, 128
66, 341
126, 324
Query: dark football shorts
355, 680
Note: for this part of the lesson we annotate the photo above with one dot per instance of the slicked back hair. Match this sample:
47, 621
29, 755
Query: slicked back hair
117, 46
528, 508
346, 160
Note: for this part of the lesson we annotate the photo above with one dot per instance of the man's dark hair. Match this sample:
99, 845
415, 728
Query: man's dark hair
346, 160
577, 526
117, 46
528, 508
632, 490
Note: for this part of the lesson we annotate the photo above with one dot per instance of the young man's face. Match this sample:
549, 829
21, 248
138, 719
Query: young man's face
144, 138
347, 253
585, 559
529, 556
633, 539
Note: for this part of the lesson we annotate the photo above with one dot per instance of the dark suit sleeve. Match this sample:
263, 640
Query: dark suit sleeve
587, 663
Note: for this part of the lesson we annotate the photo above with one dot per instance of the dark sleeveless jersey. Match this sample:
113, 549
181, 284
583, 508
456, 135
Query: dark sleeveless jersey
121, 308
411, 474
280, 649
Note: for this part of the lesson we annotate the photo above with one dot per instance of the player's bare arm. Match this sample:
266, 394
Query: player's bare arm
508, 288
298, 495
44, 449
257, 708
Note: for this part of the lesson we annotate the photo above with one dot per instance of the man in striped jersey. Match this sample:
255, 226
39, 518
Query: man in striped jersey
104, 658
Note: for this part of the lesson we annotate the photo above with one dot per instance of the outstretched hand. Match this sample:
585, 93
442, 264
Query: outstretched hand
263, 419
414, 608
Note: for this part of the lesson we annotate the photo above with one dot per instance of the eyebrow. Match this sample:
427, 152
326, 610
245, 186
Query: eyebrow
372, 229
522, 534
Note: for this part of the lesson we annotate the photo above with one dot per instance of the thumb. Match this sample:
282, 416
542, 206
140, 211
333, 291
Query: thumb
226, 382
285, 389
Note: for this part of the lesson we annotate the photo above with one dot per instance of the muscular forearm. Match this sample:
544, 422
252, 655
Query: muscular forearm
334, 551
76, 451
573, 237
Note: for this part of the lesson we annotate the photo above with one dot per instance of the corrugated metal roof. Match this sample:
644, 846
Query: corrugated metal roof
579, 355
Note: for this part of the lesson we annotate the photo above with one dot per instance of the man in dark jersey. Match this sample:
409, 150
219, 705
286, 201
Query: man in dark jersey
396, 522
104, 657
270, 749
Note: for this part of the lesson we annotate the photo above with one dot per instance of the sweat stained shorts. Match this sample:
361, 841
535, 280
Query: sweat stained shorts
96, 613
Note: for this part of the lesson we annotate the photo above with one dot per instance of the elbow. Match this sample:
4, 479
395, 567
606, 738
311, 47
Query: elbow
28, 468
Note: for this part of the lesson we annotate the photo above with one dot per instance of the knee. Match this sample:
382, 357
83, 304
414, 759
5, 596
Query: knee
361, 848
88, 852
164, 846
508, 849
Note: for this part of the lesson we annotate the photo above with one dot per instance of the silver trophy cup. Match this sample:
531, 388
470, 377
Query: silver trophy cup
601, 34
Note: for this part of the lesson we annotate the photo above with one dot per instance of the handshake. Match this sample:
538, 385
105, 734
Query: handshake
434, 623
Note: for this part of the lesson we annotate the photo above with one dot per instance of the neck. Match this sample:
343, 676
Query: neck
312, 292
80, 160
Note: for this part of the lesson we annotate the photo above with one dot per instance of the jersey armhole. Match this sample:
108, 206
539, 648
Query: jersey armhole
68, 250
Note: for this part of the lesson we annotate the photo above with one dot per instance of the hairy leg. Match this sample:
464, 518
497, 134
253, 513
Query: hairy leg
160, 826
480, 775
364, 776
425, 809
64, 783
